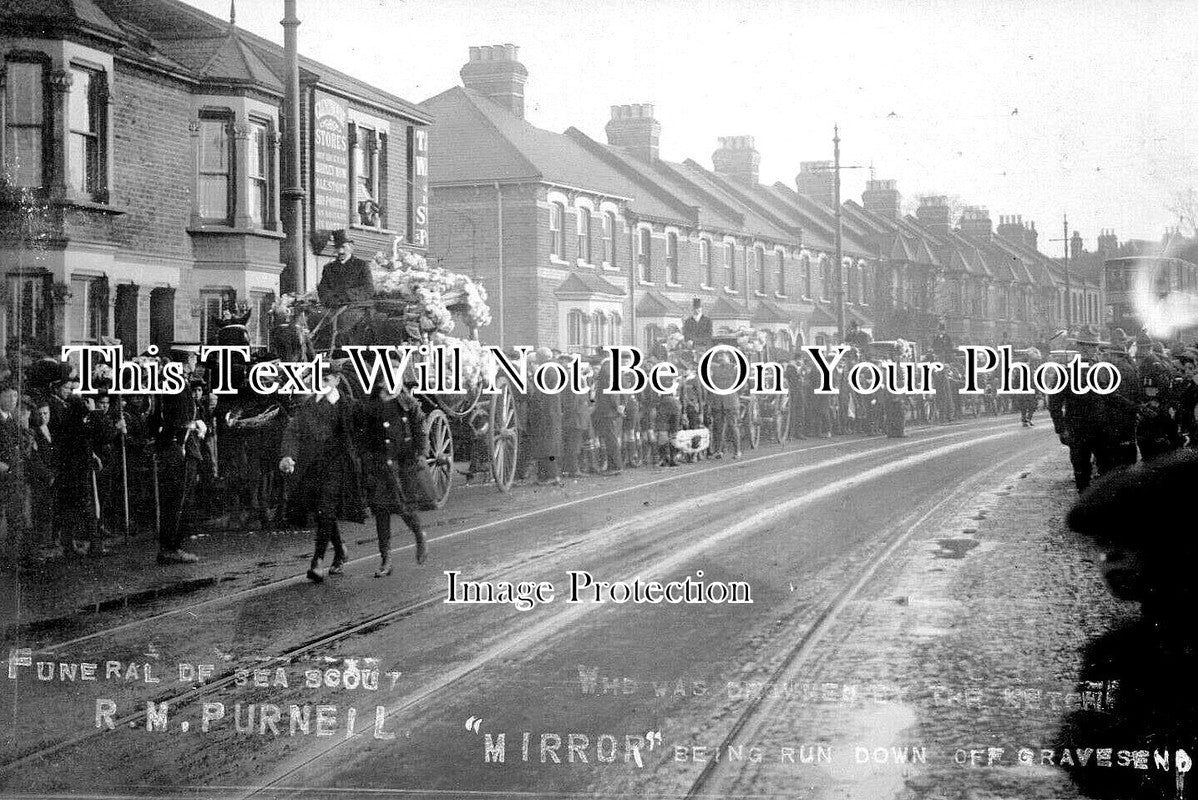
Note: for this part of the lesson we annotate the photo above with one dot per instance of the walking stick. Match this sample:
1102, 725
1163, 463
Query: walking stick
157, 502
120, 405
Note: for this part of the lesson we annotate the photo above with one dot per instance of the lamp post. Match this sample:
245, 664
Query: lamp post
295, 276
839, 236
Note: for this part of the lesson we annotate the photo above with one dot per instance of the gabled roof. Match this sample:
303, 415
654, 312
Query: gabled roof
758, 218
820, 315
194, 38
765, 311
900, 239
819, 223
579, 283
723, 308
862, 319
655, 304
478, 140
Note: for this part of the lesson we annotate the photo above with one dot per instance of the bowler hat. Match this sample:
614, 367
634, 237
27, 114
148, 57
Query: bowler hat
341, 236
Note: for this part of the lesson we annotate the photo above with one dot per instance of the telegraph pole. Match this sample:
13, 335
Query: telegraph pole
840, 327
840, 277
1068, 291
295, 277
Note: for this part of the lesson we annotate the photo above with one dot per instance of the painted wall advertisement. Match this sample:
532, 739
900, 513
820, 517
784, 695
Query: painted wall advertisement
420, 187
330, 164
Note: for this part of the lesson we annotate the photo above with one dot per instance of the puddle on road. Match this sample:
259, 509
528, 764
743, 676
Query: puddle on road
954, 548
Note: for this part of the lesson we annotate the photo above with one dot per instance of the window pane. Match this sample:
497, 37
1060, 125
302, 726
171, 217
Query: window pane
97, 309
25, 94
77, 310
77, 162
214, 196
256, 157
80, 98
23, 156
214, 146
257, 200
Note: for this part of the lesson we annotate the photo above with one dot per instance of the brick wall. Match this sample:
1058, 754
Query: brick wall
152, 163
464, 236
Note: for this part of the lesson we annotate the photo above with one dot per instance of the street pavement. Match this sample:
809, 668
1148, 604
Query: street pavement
915, 603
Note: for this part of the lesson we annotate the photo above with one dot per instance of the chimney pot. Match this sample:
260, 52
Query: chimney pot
633, 127
496, 72
737, 159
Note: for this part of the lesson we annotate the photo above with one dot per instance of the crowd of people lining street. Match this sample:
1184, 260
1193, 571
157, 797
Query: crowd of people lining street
78, 471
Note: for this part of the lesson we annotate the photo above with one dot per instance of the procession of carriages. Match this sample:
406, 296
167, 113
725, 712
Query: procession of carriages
477, 432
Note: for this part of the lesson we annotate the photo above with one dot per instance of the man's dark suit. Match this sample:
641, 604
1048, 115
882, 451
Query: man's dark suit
698, 331
345, 282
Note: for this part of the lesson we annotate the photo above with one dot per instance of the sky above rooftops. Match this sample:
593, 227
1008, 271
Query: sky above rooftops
1030, 108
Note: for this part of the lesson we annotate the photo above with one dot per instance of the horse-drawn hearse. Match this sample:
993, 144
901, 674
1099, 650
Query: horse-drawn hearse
414, 304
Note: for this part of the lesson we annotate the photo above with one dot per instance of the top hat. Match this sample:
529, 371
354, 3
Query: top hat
341, 236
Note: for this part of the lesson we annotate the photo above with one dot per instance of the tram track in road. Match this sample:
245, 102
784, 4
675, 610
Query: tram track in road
537, 633
795, 657
594, 539
192, 609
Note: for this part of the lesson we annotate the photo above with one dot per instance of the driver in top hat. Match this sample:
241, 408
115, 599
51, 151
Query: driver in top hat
345, 278
696, 329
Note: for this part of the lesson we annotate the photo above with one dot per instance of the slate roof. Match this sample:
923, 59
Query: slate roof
588, 283
723, 308
764, 311
655, 304
206, 46
477, 140
821, 316
50, 15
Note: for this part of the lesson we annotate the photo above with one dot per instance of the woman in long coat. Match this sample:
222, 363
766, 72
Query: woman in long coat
319, 449
389, 436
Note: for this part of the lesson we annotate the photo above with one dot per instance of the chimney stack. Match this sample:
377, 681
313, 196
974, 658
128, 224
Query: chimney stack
1014, 229
1010, 227
882, 197
496, 71
1107, 242
975, 222
934, 213
737, 159
634, 128
817, 181
1076, 246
